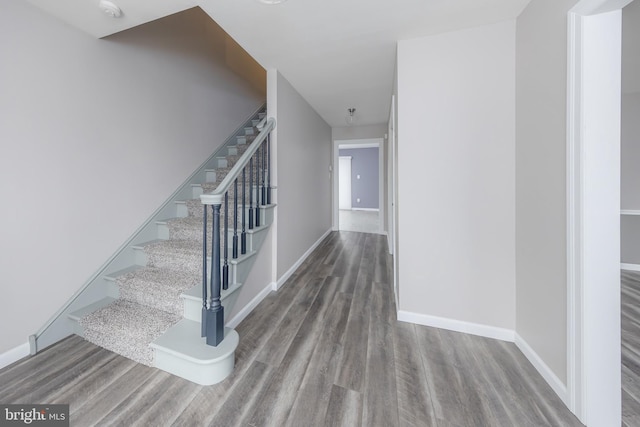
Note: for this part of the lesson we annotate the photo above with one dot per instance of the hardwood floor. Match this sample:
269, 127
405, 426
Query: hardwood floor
630, 301
325, 350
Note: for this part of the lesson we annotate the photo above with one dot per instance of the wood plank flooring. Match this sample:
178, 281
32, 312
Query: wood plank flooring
325, 350
630, 309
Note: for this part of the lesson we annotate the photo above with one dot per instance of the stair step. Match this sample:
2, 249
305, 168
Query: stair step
189, 228
127, 328
193, 301
182, 351
79, 314
193, 207
157, 288
185, 255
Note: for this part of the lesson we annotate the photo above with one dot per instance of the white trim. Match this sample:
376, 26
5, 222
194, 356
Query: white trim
630, 267
629, 212
298, 263
352, 145
580, 372
576, 391
381, 199
495, 333
366, 209
247, 309
13, 355
457, 326
552, 379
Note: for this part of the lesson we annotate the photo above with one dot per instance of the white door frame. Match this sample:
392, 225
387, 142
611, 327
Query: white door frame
391, 182
593, 232
359, 143
392, 194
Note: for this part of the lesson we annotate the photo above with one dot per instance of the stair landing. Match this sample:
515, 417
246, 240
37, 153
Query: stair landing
182, 352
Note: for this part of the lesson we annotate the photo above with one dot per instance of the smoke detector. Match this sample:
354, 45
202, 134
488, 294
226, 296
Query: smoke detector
110, 9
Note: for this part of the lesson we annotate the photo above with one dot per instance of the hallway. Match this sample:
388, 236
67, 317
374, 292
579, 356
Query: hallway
325, 350
359, 221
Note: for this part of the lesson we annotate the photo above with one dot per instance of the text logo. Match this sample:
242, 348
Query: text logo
34, 415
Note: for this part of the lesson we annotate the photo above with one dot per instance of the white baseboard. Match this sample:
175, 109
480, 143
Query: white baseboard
244, 312
366, 209
298, 263
13, 355
542, 368
630, 267
457, 326
491, 332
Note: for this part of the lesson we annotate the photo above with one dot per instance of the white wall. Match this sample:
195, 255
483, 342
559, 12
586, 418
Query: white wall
303, 146
456, 177
541, 248
95, 135
359, 132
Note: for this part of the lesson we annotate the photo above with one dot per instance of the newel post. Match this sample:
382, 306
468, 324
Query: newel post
212, 309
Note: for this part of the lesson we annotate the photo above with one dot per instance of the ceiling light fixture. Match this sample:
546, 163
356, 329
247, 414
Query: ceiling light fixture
272, 1
110, 9
349, 118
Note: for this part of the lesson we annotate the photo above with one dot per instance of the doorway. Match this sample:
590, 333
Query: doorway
358, 192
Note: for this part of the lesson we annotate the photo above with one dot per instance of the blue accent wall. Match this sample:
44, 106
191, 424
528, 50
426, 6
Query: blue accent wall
364, 163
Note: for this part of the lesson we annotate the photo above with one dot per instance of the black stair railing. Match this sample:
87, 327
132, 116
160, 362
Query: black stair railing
215, 270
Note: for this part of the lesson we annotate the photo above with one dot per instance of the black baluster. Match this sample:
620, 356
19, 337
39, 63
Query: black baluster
235, 218
215, 313
225, 268
258, 187
251, 193
269, 168
263, 147
243, 235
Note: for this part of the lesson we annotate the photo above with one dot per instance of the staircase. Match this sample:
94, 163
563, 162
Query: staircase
151, 310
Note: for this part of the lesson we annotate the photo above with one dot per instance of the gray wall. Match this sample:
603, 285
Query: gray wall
630, 180
95, 135
456, 190
630, 134
365, 175
541, 246
303, 141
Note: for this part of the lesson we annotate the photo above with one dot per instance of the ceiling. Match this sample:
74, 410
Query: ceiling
336, 53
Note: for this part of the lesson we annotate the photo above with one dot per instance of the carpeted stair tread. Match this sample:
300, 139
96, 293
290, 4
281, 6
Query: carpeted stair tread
188, 228
158, 288
182, 255
127, 328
